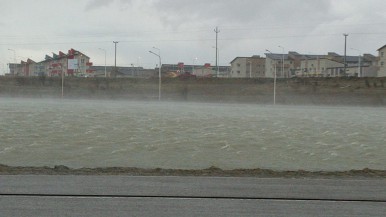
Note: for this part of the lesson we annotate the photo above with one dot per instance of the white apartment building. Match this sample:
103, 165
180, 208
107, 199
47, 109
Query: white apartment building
330, 65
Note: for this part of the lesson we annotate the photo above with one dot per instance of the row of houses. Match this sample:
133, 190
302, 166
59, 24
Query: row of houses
72, 63
76, 63
292, 64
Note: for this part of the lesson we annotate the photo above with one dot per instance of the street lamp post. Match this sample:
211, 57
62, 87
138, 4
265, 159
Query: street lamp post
250, 68
359, 62
274, 81
359, 66
62, 73
282, 61
249, 61
115, 59
194, 62
345, 46
217, 52
139, 61
14, 60
218, 62
105, 61
159, 71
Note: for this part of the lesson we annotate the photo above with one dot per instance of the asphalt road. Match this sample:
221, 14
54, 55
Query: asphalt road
42, 195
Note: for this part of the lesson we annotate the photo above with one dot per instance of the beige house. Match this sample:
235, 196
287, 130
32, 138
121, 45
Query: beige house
382, 62
248, 67
365, 65
319, 67
330, 65
285, 65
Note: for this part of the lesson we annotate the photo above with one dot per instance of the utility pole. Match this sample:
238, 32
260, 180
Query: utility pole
345, 47
115, 59
217, 31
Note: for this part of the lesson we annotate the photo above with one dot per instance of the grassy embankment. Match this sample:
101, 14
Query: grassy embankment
296, 91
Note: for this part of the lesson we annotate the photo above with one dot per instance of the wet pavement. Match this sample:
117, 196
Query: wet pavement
69, 195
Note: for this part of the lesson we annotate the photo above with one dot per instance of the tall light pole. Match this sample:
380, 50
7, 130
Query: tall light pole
14, 60
159, 70
115, 59
194, 62
105, 61
282, 61
216, 30
62, 72
359, 62
274, 81
3, 68
250, 68
139, 61
345, 48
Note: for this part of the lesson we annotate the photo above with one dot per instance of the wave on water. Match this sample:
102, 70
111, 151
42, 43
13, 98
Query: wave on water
191, 136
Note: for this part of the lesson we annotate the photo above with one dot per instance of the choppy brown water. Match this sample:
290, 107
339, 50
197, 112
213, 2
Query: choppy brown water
86, 133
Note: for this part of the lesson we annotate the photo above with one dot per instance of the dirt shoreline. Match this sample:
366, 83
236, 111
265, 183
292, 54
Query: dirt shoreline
212, 171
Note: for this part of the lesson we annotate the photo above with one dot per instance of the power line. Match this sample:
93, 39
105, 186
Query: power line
291, 26
190, 30
185, 31
191, 40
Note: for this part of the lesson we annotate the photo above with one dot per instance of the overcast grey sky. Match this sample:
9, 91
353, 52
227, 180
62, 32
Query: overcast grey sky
184, 29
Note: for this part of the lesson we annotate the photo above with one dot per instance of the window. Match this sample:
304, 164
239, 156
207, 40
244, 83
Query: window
238, 65
382, 63
382, 54
238, 72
